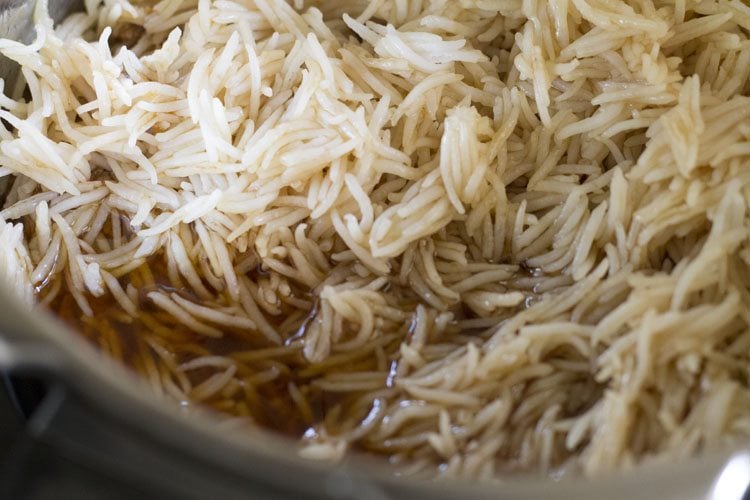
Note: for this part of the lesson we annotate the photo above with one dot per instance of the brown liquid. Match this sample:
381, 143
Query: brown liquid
261, 386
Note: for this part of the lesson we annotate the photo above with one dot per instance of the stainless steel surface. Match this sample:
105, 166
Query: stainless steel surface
261, 464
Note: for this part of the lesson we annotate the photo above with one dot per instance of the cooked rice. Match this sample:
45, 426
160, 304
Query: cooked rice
476, 237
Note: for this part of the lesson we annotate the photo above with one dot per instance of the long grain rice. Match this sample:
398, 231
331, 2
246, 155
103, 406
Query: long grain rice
507, 235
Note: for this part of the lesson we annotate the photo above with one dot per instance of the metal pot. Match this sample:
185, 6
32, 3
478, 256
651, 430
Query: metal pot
189, 456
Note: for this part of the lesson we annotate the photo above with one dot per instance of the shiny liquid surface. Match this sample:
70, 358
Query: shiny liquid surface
272, 386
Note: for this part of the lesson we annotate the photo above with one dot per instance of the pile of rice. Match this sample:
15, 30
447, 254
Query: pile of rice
490, 235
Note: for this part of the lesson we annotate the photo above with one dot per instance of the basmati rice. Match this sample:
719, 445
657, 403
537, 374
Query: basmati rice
477, 237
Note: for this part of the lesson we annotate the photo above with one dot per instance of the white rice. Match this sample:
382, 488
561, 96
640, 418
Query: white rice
514, 234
